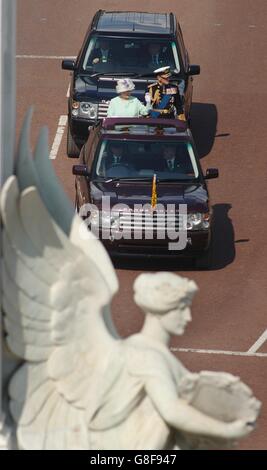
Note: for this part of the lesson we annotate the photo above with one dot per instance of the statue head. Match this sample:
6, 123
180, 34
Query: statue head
167, 296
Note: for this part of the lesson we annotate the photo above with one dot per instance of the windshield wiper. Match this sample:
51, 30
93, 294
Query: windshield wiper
101, 74
177, 180
144, 75
141, 75
149, 178
118, 74
122, 74
118, 178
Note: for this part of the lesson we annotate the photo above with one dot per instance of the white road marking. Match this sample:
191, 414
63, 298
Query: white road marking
58, 137
68, 92
63, 120
217, 24
258, 343
252, 26
217, 351
40, 57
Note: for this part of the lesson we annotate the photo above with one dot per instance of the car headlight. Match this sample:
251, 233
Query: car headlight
84, 109
95, 218
110, 220
198, 221
88, 109
105, 220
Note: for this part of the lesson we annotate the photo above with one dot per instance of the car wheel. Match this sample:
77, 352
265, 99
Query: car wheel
73, 150
203, 263
206, 260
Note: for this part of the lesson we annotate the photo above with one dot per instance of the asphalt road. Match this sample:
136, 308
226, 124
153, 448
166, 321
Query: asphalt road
228, 39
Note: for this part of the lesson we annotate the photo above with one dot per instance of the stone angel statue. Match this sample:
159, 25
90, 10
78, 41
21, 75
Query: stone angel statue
80, 385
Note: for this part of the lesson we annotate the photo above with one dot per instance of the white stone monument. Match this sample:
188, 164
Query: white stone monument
81, 386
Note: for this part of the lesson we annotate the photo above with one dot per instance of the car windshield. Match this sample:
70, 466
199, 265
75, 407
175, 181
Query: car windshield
140, 159
129, 55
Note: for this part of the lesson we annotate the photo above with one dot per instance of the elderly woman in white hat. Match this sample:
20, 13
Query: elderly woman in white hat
126, 105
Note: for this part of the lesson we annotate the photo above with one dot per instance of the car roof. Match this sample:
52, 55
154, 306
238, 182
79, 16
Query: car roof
134, 21
146, 127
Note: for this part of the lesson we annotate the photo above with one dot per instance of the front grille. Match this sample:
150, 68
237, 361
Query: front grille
150, 221
102, 109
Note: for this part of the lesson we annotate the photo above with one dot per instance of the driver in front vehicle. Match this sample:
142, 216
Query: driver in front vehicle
101, 54
114, 157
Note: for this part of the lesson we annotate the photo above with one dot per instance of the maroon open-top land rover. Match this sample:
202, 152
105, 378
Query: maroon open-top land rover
134, 180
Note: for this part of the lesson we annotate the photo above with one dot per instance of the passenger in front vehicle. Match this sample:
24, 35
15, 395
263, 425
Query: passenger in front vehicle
126, 105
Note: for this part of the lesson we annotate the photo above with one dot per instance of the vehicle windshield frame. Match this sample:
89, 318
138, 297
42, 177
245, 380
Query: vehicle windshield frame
85, 55
140, 139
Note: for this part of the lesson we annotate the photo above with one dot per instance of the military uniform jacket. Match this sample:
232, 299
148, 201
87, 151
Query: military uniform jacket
174, 106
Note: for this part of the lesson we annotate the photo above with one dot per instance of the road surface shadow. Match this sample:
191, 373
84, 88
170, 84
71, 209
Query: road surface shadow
204, 118
223, 249
223, 237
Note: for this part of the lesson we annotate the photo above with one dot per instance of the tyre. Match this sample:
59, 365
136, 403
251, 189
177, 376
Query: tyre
205, 261
73, 150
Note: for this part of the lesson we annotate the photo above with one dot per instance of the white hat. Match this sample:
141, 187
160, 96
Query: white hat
163, 71
125, 84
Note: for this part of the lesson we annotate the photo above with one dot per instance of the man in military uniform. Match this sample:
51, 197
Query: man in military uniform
165, 96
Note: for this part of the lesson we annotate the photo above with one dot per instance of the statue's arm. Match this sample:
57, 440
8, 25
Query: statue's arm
183, 417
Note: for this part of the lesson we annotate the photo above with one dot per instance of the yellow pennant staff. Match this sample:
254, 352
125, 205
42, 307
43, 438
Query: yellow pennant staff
154, 192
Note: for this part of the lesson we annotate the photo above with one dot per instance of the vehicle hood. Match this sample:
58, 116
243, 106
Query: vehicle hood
104, 88
129, 193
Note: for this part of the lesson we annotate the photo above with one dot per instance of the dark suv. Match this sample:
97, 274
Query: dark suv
134, 179
123, 44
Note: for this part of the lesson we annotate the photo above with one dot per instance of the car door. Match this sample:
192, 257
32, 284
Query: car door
87, 154
188, 93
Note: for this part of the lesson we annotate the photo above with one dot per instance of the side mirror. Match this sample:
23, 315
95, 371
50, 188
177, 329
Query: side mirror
67, 64
80, 170
193, 70
211, 173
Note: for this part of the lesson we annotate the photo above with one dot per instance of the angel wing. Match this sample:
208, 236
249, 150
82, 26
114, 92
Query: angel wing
56, 294
39, 172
